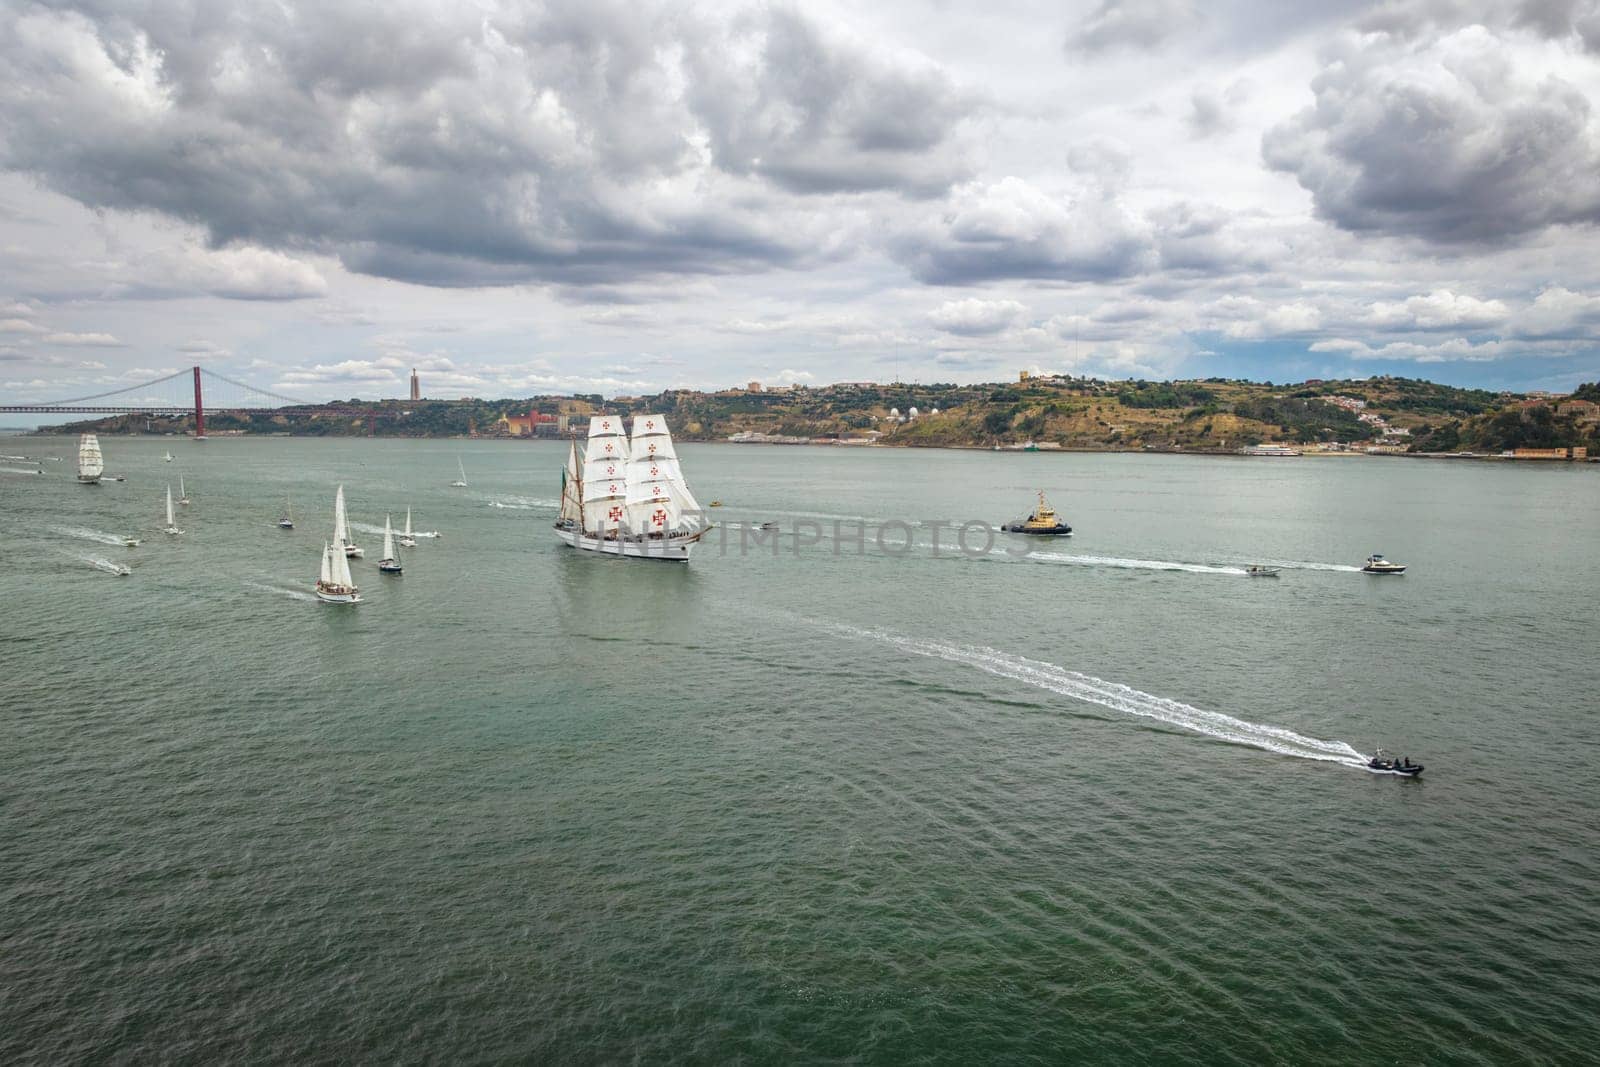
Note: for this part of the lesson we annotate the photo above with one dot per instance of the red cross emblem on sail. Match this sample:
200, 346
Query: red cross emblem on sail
615, 514
610, 447
606, 425
650, 424
652, 448
659, 517
654, 472
613, 488
612, 470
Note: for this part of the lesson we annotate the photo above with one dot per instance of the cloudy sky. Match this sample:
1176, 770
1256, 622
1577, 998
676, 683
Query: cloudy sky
528, 197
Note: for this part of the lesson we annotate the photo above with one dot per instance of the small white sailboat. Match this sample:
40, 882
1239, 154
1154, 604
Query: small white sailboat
390, 563
90, 464
334, 584
168, 457
287, 522
462, 482
183, 494
172, 522
631, 498
341, 528
406, 539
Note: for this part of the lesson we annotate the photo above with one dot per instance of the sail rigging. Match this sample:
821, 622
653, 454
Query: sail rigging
605, 476
90, 464
658, 499
571, 489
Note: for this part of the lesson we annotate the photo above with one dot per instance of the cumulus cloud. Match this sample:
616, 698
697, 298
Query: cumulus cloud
975, 318
82, 340
1137, 24
247, 273
20, 326
1447, 138
1558, 312
572, 142
1440, 309
1012, 229
1456, 349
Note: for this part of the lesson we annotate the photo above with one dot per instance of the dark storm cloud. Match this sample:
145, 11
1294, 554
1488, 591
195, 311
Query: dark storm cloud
1445, 140
446, 145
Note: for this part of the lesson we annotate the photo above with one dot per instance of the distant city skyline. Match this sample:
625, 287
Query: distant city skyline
513, 199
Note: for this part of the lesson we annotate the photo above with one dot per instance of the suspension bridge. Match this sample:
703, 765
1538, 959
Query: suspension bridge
171, 396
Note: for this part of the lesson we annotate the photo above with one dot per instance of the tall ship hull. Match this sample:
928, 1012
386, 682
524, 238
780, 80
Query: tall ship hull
667, 549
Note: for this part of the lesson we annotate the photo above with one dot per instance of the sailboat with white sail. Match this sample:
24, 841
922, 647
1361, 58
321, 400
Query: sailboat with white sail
341, 528
334, 584
390, 563
460, 483
183, 494
406, 539
90, 464
172, 521
168, 457
287, 522
629, 497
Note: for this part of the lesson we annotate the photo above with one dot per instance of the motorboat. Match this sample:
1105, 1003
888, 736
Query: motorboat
714, 504
1401, 766
1043, 521
1256, 570
1376, 564
131, 542
768, 526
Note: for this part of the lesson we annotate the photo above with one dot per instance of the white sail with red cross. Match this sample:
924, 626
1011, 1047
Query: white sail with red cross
659, 501
605, 476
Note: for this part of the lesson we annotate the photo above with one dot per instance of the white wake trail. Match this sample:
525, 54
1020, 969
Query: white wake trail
292, 594
87, 534
1135, 564
101, 564
1116, 696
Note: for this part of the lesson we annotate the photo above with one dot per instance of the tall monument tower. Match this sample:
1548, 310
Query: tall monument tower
416, 386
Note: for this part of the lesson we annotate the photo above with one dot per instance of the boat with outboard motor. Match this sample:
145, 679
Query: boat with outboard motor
1042, 522
1400, 765
1376, 564
1256, 570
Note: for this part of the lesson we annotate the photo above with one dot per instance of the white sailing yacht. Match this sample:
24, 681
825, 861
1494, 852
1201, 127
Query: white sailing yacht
287, 522
168, 457
631, 498
183, 494
461, 483
341, 528
390, 563
172, 522
90, 465
334, 584
406, 540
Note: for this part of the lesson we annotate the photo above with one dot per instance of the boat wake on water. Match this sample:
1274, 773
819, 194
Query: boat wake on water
292, 594
1113, 695
1136, 564
101, 564
87, 534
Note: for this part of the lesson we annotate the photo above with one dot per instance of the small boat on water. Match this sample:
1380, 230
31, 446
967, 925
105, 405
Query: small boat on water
168, 457
1401, 766
714, 504
287, 522
172, 521
1376, 564
341, 528
90, 464
390, 563
768, 526
334, 584
1043, 522
460, 483
183, 494
1256, 570
406, 539
131, 542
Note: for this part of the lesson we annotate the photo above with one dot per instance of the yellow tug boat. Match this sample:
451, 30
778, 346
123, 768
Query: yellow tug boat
1042, 521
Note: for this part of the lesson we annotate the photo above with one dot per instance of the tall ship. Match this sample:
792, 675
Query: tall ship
90, 465
627, 496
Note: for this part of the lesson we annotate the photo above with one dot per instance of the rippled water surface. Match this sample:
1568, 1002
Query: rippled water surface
1102, 802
